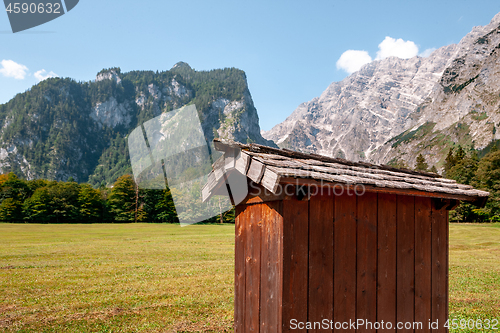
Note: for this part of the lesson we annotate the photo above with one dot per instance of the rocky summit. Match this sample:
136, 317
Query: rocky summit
398, 108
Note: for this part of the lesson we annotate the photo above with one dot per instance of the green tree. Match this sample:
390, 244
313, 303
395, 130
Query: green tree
122, 201
64, 202
13, 192
421, 163
90, 204
165, 208
449, 161
37, 207
487, 177
460, 154
10, 210
464, 170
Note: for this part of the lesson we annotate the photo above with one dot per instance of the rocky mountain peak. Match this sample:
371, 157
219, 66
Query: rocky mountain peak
109, 74
373, 113
181, 65
356, 116
462, 108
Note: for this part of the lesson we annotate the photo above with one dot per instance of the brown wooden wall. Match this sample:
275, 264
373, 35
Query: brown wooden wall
373, 257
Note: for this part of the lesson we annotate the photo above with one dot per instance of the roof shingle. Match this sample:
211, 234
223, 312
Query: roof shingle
270, 166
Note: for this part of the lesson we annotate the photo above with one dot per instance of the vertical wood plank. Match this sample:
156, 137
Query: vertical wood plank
242, 213
366, 295
423, 236
252, 268
405, 261
386, 259
439, 267
320, 259
295, 262
447, 284
345, 259
271, 268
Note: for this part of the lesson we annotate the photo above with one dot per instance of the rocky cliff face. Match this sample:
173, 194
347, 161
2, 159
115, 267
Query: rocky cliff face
355, 117
61, 128
463, 107
373, 111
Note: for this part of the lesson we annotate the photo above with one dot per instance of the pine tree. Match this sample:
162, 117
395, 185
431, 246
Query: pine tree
449, 162
90, 204
421, 163
122, 199
460, 155
433, 169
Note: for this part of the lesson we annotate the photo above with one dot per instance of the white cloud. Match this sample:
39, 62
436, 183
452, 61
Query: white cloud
9, 68
42, 75
427, 52
391, 47
352, 60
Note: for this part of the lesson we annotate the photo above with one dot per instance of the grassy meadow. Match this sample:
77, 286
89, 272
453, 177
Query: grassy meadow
116, 278
474, 283
164, 278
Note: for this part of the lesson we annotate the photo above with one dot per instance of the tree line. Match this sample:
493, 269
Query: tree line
469, 168
44, 201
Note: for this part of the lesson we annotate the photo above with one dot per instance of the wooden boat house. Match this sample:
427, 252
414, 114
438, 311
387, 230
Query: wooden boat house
323, 242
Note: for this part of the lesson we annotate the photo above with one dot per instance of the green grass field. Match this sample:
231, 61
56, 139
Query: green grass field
116, 278
475, 273
159, 277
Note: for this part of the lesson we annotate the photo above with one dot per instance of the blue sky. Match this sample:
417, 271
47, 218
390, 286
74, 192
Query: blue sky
288, 49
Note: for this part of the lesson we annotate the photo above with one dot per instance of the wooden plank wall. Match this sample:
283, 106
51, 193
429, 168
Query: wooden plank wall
258, 268
295, 262
377, 257
321, 260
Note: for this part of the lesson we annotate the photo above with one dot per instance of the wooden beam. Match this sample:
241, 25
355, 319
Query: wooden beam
405, 260
423, 264
242, 163
259, 194
270, 179
271, 269
366, 260
386, 259
312, 182
242, 215
321, 258
256, 171
295, 262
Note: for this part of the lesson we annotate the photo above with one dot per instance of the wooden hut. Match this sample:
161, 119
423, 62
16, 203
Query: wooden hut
323, 242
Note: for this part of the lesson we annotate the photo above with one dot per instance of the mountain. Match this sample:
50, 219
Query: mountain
61, 128
356, 116
372, 112
463, 108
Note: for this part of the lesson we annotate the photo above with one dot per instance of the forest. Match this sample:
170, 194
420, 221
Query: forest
478, 168
43, 201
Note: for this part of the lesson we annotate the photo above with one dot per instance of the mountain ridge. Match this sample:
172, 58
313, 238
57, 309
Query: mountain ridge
358, 117
61, 128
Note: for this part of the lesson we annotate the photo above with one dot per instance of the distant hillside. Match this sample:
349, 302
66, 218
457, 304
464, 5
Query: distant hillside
61, 128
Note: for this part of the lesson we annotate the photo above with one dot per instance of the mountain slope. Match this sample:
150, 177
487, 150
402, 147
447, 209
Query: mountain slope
61, 128
354, 117
360, 117
464, 107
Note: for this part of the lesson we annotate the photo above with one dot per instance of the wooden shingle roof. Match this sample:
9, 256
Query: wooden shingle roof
271, 167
